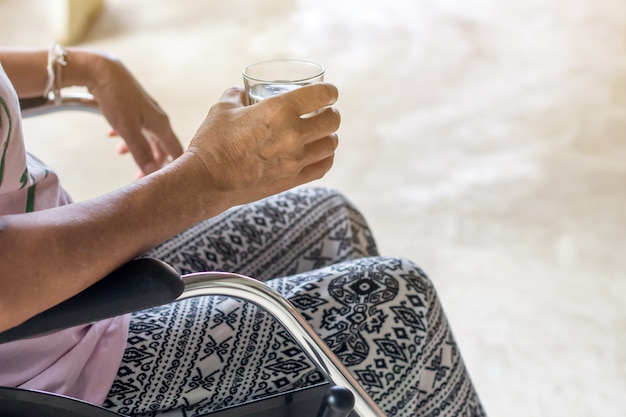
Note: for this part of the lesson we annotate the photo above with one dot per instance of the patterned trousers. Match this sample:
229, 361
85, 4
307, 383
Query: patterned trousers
380, 316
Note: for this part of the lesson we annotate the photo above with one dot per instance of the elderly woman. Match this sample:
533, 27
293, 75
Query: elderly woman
227, 202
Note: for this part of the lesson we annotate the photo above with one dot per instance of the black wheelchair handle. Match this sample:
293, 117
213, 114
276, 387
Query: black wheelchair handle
338, 402
137, 285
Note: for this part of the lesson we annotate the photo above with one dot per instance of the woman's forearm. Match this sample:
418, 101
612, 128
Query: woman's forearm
47, 256
27, 68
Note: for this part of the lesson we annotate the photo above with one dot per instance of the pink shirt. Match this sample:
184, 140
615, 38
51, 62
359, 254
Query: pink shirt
79, 362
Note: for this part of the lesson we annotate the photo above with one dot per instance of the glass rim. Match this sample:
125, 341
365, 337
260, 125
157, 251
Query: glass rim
320, 72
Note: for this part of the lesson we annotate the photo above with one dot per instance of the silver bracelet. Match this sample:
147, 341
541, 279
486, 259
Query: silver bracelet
56, 61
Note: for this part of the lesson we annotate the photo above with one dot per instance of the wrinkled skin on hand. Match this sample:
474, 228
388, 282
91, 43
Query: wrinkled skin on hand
250, 152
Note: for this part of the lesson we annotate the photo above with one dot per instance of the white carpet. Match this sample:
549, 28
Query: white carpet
484, 139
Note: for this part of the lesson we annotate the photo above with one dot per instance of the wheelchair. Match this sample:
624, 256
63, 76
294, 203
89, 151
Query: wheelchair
148, 283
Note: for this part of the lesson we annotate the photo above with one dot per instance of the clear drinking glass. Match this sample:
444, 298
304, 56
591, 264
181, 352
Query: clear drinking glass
268, 78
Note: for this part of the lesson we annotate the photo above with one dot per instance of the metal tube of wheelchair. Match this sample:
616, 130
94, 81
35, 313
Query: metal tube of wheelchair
69, 101
251, 290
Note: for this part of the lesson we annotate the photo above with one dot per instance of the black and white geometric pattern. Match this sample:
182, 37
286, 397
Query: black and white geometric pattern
380, 316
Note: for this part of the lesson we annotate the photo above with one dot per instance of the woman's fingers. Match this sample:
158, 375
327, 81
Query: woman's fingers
135, 116
315, 171
150, 149
233, 97
161, 133
311, 98
320, 149
140, 148
323, 123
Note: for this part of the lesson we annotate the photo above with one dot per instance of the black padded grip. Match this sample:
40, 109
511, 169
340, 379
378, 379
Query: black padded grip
32, 102
137, 285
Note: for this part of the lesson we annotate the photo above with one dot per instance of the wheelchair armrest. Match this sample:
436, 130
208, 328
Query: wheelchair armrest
137, 285
35, 106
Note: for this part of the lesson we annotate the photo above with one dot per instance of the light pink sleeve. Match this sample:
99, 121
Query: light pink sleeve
80, 362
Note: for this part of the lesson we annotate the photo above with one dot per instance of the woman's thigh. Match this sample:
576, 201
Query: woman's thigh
380, 316
292, 232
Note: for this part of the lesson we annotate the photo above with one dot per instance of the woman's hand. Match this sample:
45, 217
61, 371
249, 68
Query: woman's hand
251, 152
131, 112
133, 115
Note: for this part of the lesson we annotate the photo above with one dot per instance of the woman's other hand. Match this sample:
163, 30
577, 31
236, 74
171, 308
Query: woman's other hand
131, 112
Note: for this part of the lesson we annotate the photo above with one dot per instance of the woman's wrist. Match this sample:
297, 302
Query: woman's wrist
86, 67
196, 186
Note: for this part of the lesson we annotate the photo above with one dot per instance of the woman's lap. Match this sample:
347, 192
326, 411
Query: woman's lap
380, 316
293, 232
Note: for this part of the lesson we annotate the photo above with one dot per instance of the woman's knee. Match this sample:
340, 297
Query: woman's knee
396, 278
330, 209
